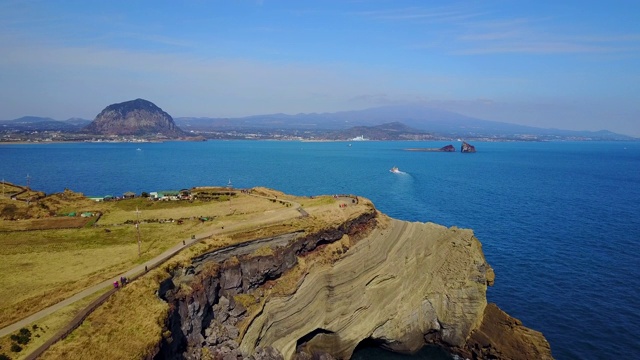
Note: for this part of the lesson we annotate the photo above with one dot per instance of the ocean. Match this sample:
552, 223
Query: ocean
559, 221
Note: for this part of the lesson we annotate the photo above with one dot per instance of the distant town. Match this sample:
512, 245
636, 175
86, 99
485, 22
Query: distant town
288, 135
140, 120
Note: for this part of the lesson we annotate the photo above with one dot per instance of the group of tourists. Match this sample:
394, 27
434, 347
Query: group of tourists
123, 281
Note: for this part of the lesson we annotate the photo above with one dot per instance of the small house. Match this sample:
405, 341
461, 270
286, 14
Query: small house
129, 195
185, 194
168, 195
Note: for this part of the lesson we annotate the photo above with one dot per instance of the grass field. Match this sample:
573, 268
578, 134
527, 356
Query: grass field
46, 224
45, 264
45, 328
43, 267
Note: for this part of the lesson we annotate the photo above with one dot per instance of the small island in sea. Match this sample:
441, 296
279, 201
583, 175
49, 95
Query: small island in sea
464, 148
217, 272
447, 148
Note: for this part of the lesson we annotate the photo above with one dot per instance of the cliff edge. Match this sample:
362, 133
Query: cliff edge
398, 284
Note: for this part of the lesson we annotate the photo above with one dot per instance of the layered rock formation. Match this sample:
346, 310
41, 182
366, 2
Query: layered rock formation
401, 285
395, 286
136, 117
502, 337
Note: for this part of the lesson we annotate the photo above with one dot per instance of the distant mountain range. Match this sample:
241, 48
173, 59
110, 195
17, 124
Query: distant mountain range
437, 122
35, 123
387, 122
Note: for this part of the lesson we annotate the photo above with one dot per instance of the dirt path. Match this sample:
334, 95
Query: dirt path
271, 217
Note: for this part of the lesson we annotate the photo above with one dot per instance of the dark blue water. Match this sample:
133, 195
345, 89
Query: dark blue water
559, 222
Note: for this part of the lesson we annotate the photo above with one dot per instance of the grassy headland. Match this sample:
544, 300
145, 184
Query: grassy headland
45, 264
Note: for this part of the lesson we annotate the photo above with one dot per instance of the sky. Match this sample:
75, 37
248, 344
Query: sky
553, 64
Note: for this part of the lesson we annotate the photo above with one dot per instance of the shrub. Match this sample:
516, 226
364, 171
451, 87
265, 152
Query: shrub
16, 348
22, 337
4, 357
9, 211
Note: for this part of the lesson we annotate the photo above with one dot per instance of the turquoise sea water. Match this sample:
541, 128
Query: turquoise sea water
559, 222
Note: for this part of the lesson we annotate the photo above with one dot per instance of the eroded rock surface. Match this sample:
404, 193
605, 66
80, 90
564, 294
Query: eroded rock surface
402, 286
501, 336
395, 286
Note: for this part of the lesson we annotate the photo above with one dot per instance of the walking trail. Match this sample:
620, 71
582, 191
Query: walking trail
263, 219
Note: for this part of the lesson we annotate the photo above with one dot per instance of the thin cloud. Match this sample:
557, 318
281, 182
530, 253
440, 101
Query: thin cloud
524, 35
472, 30
152, 38
447, 14
542, 48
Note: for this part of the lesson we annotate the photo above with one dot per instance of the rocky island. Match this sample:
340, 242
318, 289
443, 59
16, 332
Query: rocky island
447, 148
467, 148
136, 117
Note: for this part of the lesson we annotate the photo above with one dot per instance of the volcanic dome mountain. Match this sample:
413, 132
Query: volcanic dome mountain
136, 117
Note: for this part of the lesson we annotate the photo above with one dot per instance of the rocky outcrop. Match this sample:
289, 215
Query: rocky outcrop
136, 117
207, 297
402, 286
398, 284
447, 148
467, 148
502, 337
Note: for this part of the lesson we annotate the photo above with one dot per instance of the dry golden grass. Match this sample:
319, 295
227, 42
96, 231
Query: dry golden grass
47, 266
263, 251
9, 189
114, 331
47, 327
45, 224
122, 211
130, 325
43, 207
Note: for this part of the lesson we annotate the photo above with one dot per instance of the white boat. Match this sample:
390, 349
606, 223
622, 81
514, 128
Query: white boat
395, 170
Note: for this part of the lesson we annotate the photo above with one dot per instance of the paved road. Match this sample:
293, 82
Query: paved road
140, 268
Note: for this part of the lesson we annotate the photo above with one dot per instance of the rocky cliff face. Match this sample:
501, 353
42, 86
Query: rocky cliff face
401, 285
136, 117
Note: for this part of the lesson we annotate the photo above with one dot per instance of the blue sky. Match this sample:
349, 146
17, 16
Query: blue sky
562, 64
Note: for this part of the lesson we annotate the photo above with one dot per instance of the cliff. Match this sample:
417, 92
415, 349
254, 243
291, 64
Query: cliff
136, 117
401, 285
